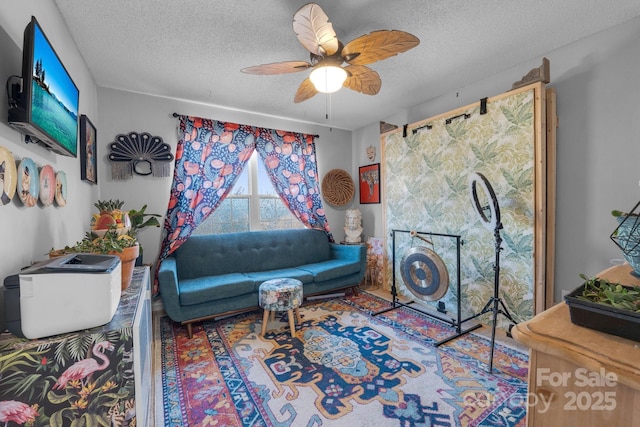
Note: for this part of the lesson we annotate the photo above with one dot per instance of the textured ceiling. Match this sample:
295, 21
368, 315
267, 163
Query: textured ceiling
194, 49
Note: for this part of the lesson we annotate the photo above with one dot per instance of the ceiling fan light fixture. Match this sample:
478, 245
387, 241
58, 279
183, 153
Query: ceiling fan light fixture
328, 78
327, 55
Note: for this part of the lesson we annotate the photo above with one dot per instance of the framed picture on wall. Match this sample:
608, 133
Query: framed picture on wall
369, 179
88, 151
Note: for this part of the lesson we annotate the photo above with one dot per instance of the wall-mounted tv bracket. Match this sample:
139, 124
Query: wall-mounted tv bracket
14, 97
14, 91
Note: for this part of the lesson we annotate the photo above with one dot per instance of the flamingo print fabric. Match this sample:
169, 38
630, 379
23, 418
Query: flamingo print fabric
84, 377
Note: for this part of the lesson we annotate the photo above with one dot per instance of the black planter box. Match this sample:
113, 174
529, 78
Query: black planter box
601, 317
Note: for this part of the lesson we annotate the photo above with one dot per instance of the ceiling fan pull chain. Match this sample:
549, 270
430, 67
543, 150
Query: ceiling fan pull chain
326, 107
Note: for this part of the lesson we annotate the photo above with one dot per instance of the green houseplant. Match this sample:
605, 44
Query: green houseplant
114, 231
140, 219
112, 216
602, 291
110, 242
606, 306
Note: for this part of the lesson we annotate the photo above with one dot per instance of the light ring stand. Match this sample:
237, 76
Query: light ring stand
495, 305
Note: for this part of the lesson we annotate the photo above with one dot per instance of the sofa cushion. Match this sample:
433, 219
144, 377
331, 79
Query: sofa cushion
211, 288
331, 269
210, 255
293, 273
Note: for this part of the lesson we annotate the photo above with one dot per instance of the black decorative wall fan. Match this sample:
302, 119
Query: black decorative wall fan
139, 153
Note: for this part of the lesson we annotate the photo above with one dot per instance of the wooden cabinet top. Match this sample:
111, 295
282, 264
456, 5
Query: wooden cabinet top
552, 332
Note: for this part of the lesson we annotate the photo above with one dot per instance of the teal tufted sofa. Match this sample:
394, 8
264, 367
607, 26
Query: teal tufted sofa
215, 275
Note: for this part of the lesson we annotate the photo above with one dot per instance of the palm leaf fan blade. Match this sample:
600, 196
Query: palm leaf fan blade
362, 79
314, 30
305, 91
377, 46
277, 68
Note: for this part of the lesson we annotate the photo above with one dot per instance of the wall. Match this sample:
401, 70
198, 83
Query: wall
27, 234
124, 112
598, 150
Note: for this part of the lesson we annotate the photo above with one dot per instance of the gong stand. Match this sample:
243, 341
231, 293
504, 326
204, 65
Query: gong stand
395, 303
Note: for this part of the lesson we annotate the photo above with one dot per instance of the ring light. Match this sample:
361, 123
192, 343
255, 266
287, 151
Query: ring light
477, 179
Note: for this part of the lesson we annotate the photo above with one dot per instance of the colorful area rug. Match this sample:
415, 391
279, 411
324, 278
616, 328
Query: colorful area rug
344, 368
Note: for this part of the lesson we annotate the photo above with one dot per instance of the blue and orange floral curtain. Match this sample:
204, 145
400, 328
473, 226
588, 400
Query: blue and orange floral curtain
210, 157
290, 162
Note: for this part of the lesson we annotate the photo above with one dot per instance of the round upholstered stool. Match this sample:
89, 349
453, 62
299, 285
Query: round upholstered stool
281, 295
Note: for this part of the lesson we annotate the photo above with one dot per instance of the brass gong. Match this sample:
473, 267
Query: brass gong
424, 273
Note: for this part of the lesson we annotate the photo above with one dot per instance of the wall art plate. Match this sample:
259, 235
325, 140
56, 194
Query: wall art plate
61, 189
29, 185
8, 176
47, 185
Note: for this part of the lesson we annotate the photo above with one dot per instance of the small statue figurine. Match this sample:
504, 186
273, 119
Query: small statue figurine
353, 226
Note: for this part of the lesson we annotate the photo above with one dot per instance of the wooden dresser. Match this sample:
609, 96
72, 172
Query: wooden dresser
579, 376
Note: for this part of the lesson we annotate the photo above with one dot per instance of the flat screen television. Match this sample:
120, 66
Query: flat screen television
44, 106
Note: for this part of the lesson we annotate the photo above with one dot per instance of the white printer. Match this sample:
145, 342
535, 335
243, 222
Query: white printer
63, 294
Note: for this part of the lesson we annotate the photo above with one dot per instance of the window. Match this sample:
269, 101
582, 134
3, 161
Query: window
252, 205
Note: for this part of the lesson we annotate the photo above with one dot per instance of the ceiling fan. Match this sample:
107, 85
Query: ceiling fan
328, 54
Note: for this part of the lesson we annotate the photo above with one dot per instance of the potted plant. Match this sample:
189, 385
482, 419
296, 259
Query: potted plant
112, 243
140, 219
114, 231
605, 306
111, 215
627, 237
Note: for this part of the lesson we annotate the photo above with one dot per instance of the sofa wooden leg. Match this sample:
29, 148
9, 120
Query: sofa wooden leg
189, 330
355, 290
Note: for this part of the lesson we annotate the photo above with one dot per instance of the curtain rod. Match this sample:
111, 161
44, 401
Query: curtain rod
178, 115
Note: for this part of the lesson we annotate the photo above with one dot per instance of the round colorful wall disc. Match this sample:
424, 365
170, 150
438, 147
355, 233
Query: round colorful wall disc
61, 189
8, 176
28, 186
47, 185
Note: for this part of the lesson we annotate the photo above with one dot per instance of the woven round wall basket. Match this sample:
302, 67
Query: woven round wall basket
338, 187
